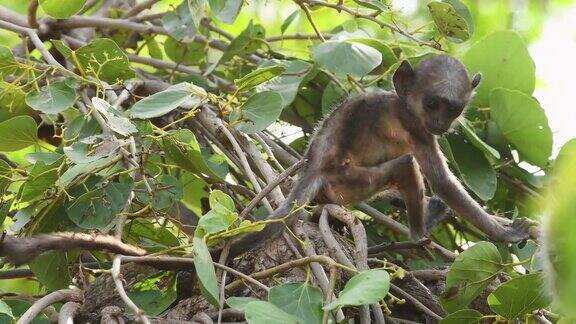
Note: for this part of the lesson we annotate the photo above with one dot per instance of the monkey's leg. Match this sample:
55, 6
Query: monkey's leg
435, 210
358, 183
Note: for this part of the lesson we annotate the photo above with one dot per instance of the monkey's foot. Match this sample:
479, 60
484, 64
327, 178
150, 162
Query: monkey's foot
520, 229
435, 212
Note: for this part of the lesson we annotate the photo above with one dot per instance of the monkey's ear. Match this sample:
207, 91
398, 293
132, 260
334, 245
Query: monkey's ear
476, 80
403, 78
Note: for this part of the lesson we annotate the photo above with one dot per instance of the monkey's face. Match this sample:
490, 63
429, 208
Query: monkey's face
438, 113
436, 91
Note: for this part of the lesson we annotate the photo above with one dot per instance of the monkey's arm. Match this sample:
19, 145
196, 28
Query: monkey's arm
447, 187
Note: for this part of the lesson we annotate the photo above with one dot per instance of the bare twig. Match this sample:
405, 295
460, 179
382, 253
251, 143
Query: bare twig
146, 4
334, 248
398, 246
273, 184
304, 8
399, 228
116, 277
35, 40
13, 17
433, 275
328, 295
68, 312
32, 9
208, 23
317, 269
415, 302
209, 120
162, 261
64, 295
361, 247
280, 38
268, 151
382, 24
21, 250
267, 172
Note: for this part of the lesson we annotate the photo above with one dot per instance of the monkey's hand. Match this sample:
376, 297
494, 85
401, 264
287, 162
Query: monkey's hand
518, 230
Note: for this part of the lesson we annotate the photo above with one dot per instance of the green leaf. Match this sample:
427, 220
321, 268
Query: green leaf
165, 101
61, 9
205, 271
41, 178
367, 287
98, 208
504, 61
248, 41
5, 175
185, 53
473, 167
380, 5
476, 141
226, 10
167, 193
288, 21
565, 151
261, 110
183, 149
213, 222
154, 48
5, 309
114, 119
261, 312
67, 177
449, 21
46, 157
288, 83
342, 57
221, 202
12, 100
389, 58
104, 59
464, 316
332, 97
258, 76
153, 301
220, 217
560, 249
298, 299
197, 10
51, 269
471, 272
523, 123
150, 236
194, 192
17, 133
240, 303
463, 11
8, 64
179, 24
519, 296
155, 293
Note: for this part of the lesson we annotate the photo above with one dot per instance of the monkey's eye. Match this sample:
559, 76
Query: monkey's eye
431, 104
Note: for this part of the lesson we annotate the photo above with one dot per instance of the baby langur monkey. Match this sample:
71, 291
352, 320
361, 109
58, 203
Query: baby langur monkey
388, 141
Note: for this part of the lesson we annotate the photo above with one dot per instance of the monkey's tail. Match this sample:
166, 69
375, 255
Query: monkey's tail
302, 192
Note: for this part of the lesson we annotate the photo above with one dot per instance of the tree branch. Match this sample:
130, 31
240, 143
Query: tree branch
65, 295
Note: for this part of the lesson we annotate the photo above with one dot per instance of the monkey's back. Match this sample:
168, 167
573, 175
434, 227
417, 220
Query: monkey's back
363, 130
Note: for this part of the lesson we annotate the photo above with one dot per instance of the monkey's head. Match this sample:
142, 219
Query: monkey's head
436, 91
